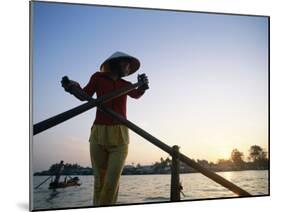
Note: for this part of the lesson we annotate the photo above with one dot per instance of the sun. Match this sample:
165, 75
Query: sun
225, 154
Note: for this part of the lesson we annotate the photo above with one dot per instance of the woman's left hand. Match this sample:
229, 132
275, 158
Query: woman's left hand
143, 78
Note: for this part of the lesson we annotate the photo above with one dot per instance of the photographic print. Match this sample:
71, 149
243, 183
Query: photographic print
139, 105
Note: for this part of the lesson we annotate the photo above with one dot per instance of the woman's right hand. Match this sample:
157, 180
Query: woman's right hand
68, 86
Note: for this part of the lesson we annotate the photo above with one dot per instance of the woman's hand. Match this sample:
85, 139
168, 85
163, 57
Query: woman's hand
69, 84
72, 87
144, 79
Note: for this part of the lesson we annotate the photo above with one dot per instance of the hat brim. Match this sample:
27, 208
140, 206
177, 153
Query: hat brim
134, 63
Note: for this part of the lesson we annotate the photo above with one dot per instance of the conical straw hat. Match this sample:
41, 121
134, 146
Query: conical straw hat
134, 62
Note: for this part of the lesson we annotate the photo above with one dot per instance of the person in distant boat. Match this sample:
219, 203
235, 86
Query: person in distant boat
109, 138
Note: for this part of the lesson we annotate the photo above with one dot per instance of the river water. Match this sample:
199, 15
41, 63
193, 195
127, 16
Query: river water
149, 188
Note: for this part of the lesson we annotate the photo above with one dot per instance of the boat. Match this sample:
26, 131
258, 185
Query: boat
66, 183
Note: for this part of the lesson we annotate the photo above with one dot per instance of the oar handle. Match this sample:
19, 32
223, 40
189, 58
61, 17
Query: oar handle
73, 89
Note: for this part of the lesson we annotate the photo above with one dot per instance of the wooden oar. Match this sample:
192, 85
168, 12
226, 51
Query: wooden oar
55, 120
43, 182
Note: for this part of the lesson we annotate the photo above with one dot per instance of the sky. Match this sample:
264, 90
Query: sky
208, 76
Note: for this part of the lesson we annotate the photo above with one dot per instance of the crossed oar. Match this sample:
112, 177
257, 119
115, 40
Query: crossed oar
55, 120
98, 102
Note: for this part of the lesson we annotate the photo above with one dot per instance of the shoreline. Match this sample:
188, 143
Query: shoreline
38, 174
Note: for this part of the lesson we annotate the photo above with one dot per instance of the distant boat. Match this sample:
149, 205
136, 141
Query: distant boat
72, 181
67, 183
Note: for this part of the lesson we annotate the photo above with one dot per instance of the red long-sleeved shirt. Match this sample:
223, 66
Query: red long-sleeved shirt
100, 83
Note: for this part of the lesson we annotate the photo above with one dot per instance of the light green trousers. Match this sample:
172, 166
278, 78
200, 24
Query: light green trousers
108, 161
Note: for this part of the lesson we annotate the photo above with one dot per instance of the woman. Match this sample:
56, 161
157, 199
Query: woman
109, 139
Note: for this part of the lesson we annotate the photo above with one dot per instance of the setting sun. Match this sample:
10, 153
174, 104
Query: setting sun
224, 154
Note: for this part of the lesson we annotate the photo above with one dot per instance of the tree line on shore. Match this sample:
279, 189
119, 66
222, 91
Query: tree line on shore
257, 159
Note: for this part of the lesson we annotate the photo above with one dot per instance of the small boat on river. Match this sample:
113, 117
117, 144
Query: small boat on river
66, 183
